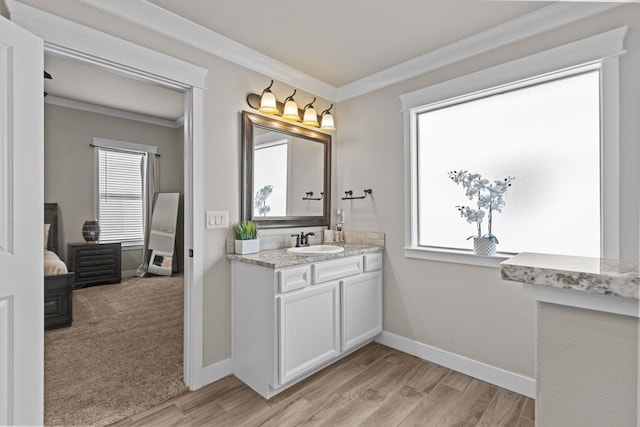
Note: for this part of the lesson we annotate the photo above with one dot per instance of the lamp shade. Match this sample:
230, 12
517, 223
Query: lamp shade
310, 117
268, 103
291, 111
327, 122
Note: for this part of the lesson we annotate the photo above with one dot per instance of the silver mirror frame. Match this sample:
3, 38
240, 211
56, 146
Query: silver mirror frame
249, 122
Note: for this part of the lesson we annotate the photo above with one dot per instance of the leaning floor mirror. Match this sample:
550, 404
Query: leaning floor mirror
286, 173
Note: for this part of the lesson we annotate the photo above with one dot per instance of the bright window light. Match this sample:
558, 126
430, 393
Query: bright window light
547, 135
269, 170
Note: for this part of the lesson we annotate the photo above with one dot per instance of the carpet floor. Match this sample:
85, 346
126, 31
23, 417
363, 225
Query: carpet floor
122, 355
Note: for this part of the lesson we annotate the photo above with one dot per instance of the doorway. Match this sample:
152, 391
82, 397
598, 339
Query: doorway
192, 199
76, 41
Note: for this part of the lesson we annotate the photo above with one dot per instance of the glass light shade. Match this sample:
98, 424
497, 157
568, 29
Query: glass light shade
268, 103
327, 122
291, 111
310, 117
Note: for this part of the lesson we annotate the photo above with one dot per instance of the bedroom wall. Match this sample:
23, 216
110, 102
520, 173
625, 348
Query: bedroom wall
68, 168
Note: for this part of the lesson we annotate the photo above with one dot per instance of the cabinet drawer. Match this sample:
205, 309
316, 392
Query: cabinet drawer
373, 262
105, 273
294, 278
336, 269
91, 252
92, 262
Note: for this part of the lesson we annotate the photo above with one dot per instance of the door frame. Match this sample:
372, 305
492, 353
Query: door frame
78, 42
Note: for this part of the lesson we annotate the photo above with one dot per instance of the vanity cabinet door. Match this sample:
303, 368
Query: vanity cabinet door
361, 309
309, 328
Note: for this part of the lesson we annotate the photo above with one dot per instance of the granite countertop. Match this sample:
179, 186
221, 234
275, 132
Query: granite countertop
594, 275
280, 258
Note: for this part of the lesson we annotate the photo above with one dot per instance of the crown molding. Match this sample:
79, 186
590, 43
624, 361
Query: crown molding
159, 20
541, 20
72, 39
162, 21
113, 112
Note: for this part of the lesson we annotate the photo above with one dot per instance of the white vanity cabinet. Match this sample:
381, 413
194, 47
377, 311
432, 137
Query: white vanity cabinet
361, 307
309, 329
289, 322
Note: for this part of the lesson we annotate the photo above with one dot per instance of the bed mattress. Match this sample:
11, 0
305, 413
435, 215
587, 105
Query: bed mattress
53, 265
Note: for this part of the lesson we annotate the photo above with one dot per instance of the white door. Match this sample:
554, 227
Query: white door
309, 329
361, 309
21, 227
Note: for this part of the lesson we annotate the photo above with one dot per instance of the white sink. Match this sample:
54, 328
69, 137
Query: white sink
316, 250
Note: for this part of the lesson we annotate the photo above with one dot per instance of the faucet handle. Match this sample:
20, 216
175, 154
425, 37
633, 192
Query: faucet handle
297, 239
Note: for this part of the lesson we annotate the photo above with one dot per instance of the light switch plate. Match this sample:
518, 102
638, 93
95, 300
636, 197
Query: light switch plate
217, 219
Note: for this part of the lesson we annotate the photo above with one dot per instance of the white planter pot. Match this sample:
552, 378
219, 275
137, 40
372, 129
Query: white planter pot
244, 247
484, 246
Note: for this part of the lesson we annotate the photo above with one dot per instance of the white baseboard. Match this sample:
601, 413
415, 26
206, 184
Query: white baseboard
218, 370
491, 374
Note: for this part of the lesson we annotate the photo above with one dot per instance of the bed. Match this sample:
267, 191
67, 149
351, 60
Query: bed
58, 282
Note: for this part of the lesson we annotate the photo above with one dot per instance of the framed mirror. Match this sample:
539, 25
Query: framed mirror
286, 173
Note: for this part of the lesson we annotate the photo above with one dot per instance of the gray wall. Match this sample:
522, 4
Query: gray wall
68, 165
305, 174
587, 367
462, 309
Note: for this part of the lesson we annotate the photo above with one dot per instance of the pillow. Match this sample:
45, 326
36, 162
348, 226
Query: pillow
46, 235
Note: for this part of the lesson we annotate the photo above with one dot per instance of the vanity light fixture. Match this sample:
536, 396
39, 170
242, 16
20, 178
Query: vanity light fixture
310, 116
291, 109
326, 120
267, 103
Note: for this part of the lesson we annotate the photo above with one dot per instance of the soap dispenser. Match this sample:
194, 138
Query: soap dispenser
339, 225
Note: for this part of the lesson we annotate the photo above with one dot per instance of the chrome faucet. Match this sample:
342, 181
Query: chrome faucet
302, 239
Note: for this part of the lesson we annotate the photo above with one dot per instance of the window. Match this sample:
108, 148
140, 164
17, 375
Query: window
270, 178
553, 131
546, 135
121, 171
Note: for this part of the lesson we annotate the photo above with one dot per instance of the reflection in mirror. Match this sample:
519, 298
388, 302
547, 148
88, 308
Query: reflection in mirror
286, 173
285, 169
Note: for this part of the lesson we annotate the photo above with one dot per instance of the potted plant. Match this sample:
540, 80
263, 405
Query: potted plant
246, 237
490, 197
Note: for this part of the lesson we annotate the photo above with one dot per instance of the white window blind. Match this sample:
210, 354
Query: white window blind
121, 196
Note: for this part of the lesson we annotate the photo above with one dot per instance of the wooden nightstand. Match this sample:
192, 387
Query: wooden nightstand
94, 263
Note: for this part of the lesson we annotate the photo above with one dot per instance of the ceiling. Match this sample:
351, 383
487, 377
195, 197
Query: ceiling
334, 41
340, 41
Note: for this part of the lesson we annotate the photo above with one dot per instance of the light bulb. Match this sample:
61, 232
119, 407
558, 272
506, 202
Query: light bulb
327, 122
291, 109
268, 103
310, 117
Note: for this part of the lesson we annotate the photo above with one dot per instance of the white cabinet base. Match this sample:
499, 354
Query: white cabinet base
361, 309
309, 322
287, 325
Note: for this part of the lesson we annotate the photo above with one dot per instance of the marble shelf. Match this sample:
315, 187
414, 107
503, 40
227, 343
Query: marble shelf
591, 275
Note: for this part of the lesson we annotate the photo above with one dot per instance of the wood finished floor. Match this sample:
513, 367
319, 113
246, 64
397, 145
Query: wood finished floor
375, 386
